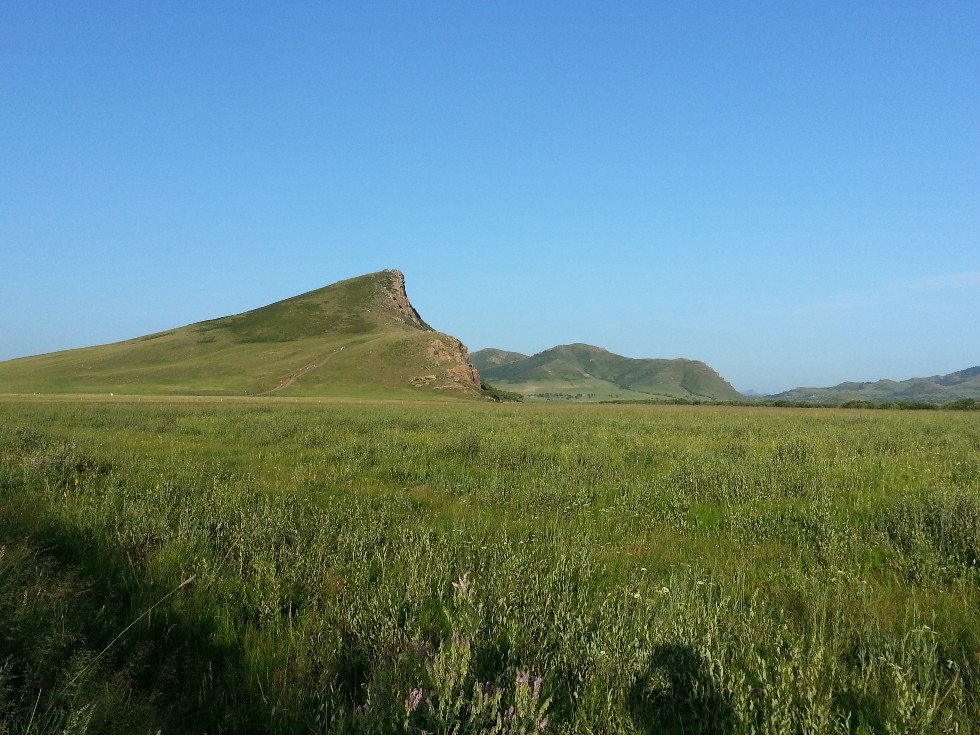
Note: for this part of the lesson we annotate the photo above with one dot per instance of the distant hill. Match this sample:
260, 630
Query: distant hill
491, 358
935, 389
359, 337
587, 373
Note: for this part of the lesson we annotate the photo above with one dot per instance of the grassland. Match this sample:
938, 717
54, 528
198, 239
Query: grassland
274, 565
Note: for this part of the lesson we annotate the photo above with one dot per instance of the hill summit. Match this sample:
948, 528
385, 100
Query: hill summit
963, 384
359, 337
588, 373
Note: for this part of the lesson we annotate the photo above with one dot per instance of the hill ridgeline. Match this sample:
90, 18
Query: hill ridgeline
963, 384
358, 337
586, 373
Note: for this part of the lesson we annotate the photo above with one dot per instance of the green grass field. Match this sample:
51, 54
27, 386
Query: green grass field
300, 565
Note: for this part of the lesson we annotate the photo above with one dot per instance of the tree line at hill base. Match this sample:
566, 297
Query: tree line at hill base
963, 404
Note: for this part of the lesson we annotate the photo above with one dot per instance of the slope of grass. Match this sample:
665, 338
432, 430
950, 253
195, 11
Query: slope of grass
386, 567
489, 358
590, 373
351, 338
960, 385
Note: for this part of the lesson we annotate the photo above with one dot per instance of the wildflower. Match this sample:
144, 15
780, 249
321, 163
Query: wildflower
463, 585
665, 590
414, 698
636, 595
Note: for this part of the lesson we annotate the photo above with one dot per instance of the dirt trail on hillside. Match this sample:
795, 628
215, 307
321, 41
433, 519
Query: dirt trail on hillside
291, 377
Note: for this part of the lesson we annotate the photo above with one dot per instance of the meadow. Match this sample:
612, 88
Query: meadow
317, 566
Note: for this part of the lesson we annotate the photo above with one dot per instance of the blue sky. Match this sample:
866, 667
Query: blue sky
787, 191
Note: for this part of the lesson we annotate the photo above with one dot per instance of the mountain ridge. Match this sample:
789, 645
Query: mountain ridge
585, 372
363, 336
359, 336
933, 389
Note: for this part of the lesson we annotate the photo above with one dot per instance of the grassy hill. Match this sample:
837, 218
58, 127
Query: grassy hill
935, 389
357, 337
584, 372
491, 358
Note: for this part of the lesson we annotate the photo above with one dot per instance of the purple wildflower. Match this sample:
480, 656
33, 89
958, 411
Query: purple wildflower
414, 698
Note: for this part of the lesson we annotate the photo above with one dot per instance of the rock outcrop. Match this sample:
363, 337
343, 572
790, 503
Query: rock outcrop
399, 300
451, 355
447, 357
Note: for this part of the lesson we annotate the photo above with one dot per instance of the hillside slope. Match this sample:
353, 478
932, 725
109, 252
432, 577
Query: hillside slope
360, 337
934, 389
491, 358
584, 372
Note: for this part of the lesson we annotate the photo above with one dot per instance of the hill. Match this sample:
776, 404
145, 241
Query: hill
584, 372
491, 358
934, 389
360, 337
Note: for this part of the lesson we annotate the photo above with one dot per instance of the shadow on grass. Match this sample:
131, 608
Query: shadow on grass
67, 659
676, 694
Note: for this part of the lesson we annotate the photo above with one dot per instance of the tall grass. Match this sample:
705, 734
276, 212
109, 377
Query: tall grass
473, 568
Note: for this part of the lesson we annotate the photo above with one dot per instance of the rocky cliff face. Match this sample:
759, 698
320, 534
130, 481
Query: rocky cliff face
451, 355
398, 298
447, 356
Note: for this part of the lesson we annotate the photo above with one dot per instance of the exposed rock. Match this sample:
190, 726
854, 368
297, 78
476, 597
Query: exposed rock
450, 354
444, 352
399, 300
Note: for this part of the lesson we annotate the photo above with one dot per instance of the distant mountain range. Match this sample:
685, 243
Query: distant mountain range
362, 337
935, 389
583, 372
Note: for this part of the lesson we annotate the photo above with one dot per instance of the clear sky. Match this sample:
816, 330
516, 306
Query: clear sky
789, 191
